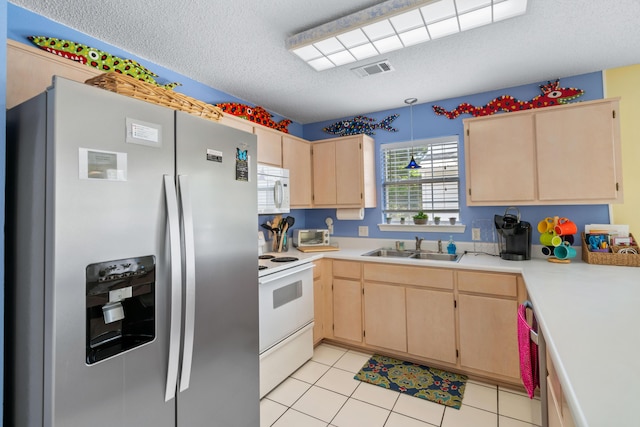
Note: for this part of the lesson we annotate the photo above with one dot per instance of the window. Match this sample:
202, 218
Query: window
434, 188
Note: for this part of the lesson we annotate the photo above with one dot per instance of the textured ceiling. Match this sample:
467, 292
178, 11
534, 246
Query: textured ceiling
239, 47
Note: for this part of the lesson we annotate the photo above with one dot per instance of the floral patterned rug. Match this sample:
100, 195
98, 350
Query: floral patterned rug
416, 380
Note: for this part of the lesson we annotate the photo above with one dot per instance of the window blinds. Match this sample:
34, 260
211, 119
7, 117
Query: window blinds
434, 188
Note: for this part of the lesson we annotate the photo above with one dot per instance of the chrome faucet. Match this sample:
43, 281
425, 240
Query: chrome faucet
439, 246
418, 243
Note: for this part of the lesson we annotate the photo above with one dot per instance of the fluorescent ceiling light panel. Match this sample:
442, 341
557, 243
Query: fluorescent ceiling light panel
407, 21
464, 6
394, 24
379, 30
477, 18
308, 53
353, 38
388, 44
508, 9
443, 28
419, 35
329, 46
364, 51
321, 64
437, 11
341, 58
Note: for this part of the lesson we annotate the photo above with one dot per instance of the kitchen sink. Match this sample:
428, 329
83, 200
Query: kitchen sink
389, 253
433, 256
436, 256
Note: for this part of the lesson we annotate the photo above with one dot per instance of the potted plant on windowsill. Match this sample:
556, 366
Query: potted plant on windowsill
420, 218
436, 220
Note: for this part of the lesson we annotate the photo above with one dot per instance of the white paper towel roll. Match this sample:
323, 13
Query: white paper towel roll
356, 214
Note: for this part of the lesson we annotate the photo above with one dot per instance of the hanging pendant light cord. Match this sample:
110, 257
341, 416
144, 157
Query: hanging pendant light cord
412, 163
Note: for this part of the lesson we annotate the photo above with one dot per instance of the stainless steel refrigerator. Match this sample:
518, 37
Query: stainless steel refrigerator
132, 296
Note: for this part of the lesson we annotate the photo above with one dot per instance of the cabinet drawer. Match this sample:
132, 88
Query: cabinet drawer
418, 276
488, 283
317, 269
346, 269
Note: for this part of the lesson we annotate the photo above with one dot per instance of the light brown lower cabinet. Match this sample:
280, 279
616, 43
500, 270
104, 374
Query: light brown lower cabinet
431, 326
347, 301
487, 307
486, 326
559, 412
318, 300
347, 310
458, 319
385, 316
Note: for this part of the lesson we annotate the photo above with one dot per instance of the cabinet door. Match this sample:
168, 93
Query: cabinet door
29, 71
237, 123
324, 173
431, 324
499, 159
488, 335
384, 316
269, 146
577, 154
296, 156
318, 303
349, 172
347, 310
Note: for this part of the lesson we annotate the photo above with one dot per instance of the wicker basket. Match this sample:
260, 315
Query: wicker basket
129, 86
609, 258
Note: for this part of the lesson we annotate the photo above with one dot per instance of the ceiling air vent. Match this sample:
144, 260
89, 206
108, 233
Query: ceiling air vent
373, 69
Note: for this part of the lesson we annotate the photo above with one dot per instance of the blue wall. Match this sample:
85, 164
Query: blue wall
427, 124
23, 23
3, 121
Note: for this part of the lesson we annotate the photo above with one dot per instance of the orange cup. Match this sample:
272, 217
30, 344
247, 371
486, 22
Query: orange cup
565, 227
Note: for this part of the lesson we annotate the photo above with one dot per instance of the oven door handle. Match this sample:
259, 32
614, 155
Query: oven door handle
276, 276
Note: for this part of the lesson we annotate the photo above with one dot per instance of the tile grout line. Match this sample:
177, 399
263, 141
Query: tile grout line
351, 395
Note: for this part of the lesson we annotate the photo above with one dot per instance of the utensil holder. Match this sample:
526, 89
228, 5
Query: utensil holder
277, 236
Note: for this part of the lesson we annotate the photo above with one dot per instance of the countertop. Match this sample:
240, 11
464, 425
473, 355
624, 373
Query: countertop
587, 313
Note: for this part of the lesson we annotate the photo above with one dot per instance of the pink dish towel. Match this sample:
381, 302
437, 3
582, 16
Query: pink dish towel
529, 371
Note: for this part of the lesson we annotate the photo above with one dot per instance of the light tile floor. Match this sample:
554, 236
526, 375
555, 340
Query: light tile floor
323, 393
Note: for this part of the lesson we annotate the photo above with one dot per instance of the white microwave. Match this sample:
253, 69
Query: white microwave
273, 190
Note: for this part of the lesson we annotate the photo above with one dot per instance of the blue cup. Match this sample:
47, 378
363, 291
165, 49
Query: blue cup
565, 251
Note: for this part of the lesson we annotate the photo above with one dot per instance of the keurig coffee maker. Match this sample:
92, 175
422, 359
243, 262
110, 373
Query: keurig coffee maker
514, 236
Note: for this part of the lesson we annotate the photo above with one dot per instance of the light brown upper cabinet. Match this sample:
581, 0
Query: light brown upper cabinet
280, 149
296, 156
237, 123
30, 70
569, 154
344, 172
269, 145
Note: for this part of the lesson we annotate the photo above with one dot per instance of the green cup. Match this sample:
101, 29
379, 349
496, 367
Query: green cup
556, 240
546, 239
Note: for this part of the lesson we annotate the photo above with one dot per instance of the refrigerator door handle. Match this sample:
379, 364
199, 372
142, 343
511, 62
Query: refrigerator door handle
190, 280
176, 286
